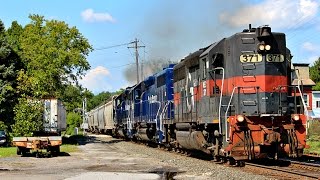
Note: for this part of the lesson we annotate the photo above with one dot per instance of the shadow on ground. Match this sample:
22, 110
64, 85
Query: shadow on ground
82, 140
75, 140
44, 154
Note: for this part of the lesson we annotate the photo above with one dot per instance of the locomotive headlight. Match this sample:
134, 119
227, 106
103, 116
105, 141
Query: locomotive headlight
296, 117
268, 47
240, 118
261, 47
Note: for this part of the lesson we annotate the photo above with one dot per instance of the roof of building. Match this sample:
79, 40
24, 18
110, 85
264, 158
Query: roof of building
300, 64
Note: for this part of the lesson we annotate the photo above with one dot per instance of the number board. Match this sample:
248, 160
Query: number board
250, 58
275, 58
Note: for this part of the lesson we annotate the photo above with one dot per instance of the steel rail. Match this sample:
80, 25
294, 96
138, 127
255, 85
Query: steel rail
315, 176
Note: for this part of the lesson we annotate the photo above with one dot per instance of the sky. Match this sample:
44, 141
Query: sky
167, 30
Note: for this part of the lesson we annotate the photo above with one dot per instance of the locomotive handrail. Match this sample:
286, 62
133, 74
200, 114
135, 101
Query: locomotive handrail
220, 101
165, 108
225, 116
129, 120
158, 114
301, 96
141, 104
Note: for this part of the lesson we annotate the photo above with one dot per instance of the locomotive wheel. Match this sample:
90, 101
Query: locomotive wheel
217, 159
23, 152
18, 151
224, 160
240, 163
231, 162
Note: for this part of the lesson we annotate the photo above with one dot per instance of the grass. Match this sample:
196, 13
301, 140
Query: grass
68, 148
314, 143
12, 151
314, 147
7, 151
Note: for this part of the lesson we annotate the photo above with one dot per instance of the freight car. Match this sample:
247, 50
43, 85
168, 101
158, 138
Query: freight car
100, 119
54, 122
233, 99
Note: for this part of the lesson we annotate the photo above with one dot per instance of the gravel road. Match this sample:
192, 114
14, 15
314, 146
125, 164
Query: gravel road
104, 157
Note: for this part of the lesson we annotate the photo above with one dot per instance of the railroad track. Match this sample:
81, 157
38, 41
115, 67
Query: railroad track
305, 165
286, 172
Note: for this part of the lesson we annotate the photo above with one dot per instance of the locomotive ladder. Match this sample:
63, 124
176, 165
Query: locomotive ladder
162, 116
220, 99
226, 113
129, 120
158, 120
230, 101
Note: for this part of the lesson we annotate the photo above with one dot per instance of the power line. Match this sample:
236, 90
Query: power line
109, 47
121, 66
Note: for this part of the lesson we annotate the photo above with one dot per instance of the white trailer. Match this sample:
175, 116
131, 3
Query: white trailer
54, 116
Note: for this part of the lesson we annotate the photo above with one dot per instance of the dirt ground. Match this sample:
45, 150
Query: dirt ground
104, 157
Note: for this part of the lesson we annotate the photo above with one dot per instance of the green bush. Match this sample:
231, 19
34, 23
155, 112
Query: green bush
3, 126
28, 117
73, 120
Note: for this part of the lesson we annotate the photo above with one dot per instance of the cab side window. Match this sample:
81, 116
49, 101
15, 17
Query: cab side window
205, 67
217, 61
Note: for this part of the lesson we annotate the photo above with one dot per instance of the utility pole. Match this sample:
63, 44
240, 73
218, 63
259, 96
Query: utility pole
84, 114
135, 42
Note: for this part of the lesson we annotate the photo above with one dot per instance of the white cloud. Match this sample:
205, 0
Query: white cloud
96, 80
276, 13
308, 46
89, 15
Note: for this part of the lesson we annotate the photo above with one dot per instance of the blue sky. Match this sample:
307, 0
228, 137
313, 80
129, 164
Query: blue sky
168, 29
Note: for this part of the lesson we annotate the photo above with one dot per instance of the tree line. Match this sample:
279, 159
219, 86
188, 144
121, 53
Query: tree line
42, 59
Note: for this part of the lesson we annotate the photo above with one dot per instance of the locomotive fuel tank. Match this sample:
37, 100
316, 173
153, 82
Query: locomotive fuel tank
192, 140
145, 134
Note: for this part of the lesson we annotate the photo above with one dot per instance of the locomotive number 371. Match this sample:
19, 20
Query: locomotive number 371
254, 58
250, 58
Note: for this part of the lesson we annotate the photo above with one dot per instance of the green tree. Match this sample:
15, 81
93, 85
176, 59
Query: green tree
73, 97
14, 33
54, 55
42, 59
315, 74
9, 65
99, 99
3, 126
73, 120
